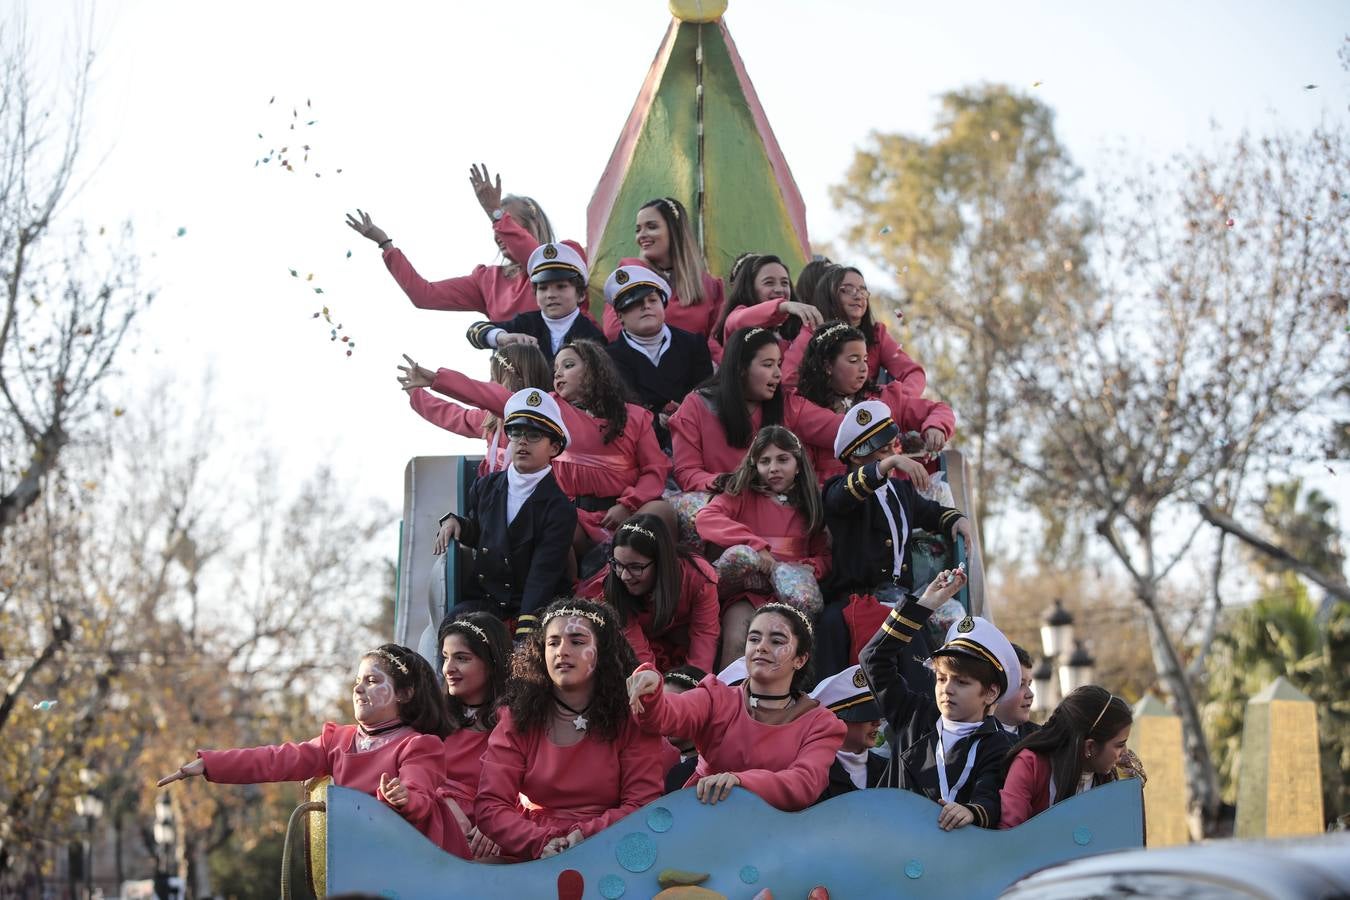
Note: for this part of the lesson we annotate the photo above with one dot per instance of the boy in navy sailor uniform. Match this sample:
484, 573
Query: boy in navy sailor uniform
945, 743
870, 516
517, 522
559, 276
660, 364
856, 765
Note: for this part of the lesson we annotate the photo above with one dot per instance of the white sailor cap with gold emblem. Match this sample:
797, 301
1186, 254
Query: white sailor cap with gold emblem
848, 695
628, 284
533, 408
556, 262
979, 638
866, 428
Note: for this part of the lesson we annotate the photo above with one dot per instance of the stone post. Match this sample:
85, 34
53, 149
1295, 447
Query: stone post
1156, 740
1279, 773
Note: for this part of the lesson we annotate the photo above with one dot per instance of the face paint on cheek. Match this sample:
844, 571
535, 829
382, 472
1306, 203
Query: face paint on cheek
381, 692
577, 626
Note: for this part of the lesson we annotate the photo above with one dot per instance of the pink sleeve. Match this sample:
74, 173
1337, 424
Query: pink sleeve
464, 294
815, 425
761, 315
896, 361
686, 437
281, 762
819, 560
714, 294
494, 809
1018, 800
721, 522
637, 639
915, 413
519, 243
685, 715
486, 395
705, 620
450, 416
800, 784
421, 769
610, 324
792, 359
641, 778
653, 466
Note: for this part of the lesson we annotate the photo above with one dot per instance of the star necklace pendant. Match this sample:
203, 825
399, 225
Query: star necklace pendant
781, 498
580, 723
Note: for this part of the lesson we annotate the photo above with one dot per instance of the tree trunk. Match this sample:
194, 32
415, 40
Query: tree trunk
1200, 775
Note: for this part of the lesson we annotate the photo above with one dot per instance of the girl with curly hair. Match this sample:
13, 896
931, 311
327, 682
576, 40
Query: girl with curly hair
394, 752
666, 597
765, 735
613, 466
841, 295
519, 226
668, 247
1081, 746
761, 295
476, 660
515, 367
767, 520
566, 760
834, 376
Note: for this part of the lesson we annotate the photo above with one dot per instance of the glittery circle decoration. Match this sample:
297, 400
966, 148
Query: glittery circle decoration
913, 869
660, 820
612, 887
636, 852
749, 874
1082, 835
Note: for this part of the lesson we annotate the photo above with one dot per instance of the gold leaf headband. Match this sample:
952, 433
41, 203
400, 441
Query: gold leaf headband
482, 635
573, 611
682, 677
782, 608
752, 332
501, 360
833, 329
670, 205
638, 528
385, 654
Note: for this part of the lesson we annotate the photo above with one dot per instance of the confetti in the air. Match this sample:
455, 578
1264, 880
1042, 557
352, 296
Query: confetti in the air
1310, 87
318, 290
289, 164
181, 231
44, 705
885, 229
1230, 223
333, 330
1037, 83
349, 254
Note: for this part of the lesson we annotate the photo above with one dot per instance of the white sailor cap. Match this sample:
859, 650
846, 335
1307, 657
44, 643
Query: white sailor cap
867, 427
627, 284
556, 262
735, 673
979, 638
848, 695
536, 409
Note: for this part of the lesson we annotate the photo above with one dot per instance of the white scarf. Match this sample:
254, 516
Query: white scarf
855, 764
558, 328
654, 347
519, 488
954, 731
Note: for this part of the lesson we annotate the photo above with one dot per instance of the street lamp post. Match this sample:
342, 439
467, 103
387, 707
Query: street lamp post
90, 807
1057, 630
1065, 655
165, 841
1043, 682
1079, 669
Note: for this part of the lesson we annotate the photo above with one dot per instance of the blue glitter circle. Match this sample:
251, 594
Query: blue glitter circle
636, 852
1082, 835
660, 819
749, 874
913, 869
612, 887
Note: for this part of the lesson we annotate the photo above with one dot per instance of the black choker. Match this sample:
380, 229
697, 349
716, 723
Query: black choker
383, 729
755, 698
579, 721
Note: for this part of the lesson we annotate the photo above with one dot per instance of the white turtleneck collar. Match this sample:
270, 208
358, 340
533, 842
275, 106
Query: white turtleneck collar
855, 764
558, 328
954, 731
654, 347
519, 488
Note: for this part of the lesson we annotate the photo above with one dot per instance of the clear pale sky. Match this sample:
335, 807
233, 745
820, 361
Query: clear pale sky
406, 96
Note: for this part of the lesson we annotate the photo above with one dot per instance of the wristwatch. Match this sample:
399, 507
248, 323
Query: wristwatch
497, 214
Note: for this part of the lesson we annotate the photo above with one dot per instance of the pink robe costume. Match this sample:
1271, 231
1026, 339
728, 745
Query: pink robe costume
465, 422
631, 468
788, 765
700, 318
884, 352
589, 785
486, 289
697, 613
910, 413
757, 521
417, 759
464, 766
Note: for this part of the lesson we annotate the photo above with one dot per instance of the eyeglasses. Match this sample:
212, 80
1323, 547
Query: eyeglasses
852, 290
636, 570
525, 435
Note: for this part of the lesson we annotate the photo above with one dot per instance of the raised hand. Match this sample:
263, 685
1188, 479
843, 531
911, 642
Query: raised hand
196, 767
366, 228
809, 315
642, 684
414, 376
943, 587
489, 194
